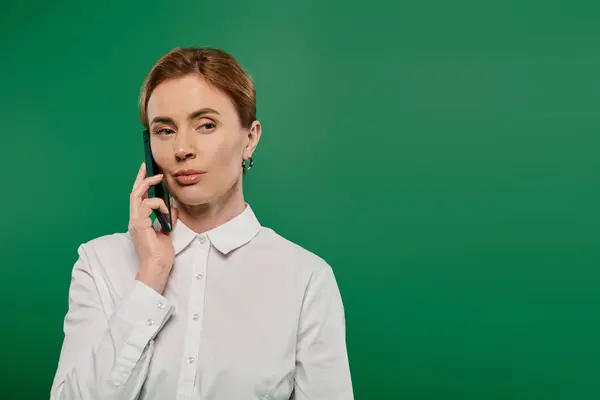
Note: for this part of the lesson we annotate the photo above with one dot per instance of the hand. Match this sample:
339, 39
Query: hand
153, 247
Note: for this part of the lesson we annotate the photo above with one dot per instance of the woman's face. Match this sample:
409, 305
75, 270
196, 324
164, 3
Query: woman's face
197, 140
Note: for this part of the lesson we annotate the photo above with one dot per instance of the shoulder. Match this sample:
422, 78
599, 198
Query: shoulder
290, 253
110, 257
309, 270
110, 244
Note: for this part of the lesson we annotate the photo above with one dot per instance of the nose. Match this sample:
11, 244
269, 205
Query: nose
183, 154
184, 149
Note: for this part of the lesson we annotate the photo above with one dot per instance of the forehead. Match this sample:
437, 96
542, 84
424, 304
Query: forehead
177, 98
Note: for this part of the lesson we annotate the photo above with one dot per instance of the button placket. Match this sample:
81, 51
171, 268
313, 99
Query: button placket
195, 307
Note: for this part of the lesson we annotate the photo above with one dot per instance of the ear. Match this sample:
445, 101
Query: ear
253, 137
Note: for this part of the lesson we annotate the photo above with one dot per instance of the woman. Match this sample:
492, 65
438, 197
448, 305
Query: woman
221, 307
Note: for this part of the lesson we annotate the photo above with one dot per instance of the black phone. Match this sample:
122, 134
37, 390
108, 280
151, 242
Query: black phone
159, 190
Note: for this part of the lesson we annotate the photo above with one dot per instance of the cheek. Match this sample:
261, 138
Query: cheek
224, 155
161, 153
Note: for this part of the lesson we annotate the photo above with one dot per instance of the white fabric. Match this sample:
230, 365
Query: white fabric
246, 314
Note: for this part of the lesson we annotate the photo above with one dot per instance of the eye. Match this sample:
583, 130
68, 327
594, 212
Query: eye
164, 131
207, 127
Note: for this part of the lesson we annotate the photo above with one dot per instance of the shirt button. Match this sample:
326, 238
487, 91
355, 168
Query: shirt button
198, 276
202, 239
161, 305
149, 322
195, 317
191, 360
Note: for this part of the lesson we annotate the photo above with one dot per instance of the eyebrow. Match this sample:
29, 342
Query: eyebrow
191, 116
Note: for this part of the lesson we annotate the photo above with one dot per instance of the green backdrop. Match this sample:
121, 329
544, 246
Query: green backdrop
441, 156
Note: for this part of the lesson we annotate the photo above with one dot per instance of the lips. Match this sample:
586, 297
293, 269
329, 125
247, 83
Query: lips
188, 176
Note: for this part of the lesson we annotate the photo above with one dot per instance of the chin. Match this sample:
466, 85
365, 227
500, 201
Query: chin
203, 193
193, 196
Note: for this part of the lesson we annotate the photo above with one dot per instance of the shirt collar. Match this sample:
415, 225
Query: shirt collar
227, 237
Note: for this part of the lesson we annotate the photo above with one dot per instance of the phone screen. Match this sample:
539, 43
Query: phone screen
158, 190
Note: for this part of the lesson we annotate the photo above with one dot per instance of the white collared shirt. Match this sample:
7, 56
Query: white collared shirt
246, 314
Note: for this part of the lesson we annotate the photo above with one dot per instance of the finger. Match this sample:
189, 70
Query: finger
142, 219
140, 192
141, 189
148, 205
134, 203
140, 176
142, 208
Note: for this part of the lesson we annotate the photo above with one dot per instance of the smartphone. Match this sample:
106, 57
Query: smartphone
159, 190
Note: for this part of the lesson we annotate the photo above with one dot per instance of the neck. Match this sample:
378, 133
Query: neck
204, 217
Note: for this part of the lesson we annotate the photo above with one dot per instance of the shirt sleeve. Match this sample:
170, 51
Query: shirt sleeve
106, 356
322, 367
